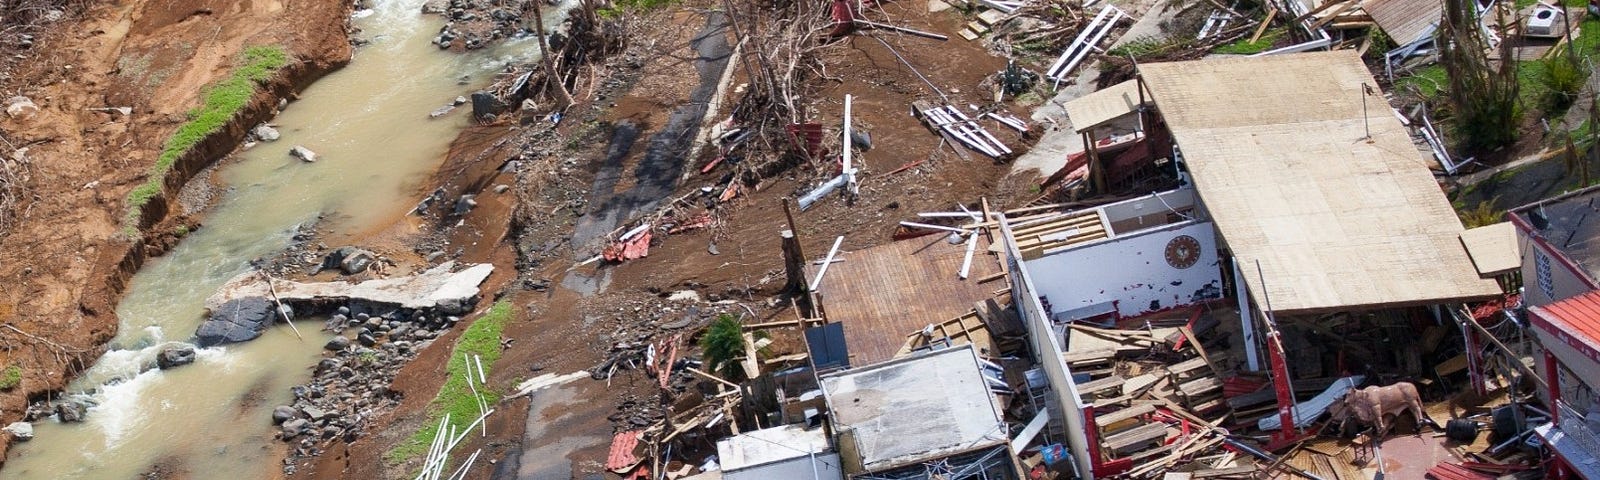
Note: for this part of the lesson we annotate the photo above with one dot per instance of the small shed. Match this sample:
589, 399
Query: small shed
919, 409
789, 451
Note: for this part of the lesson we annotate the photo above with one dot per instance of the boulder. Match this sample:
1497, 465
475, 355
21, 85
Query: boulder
70, 411
238, 320
484, 103
293, 428
20, 106
314, 413
350, 260
337, 343
22, 431
175, 355
266, 133
303, 153
282, 413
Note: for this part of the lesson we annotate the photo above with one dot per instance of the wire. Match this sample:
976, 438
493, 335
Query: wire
913, 69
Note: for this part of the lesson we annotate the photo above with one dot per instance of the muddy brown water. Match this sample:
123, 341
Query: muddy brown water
370, 126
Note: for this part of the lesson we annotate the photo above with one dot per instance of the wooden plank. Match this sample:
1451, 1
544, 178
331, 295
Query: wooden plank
1124, 414
1106, 402
1187, 366
1225, 472
1091, 387
1139, 435
1084, 357
1200, 386
1264, 24
1194, 341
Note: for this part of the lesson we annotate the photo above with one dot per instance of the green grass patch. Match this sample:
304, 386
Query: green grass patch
221, 102
619, 7
10, 377
482, 338
1244, 46
1429, 81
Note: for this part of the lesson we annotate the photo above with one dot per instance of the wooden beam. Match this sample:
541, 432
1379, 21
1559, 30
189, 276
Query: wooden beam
1264, 24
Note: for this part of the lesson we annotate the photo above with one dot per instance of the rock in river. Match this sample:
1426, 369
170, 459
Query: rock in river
175, 355
294, 428
238, 320
265, 132
23, 431
70, 411
282, 413
303, 153
337, 343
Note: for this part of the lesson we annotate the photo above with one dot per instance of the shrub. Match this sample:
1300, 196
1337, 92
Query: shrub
10, 377
1561, 78
1482, 214
723, 342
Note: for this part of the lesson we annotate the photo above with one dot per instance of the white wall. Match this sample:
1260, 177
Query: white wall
1545, 278
1047, 350
1131, 271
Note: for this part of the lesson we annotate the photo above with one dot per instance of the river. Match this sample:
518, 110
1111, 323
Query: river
369, 124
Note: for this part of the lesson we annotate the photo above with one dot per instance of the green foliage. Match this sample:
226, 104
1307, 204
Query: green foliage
482, 339
723, 342
1560, 78
222, 101
10, 377
1428, 82
1148, 47
1244, 46
1482, 214
619, 7
1483, 96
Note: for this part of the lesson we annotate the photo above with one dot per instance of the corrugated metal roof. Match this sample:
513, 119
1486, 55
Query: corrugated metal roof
1578, 316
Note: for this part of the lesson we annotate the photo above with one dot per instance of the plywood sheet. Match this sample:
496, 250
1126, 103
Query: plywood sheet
1339, 218
883, 293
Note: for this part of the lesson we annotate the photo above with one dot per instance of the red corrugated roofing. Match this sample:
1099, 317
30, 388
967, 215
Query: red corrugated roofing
1577, 316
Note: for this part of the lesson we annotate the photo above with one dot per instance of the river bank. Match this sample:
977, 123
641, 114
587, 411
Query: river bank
68, 257
533, 197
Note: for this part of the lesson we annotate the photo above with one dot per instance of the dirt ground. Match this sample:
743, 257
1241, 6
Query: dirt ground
67, 255
568, 318
64, 262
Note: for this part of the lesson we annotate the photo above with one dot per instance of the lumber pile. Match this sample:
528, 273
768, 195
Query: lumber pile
1150, 389
950, 122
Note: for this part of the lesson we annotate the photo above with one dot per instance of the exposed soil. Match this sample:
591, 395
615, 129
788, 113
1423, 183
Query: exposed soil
67, 258
567, 319
570, 319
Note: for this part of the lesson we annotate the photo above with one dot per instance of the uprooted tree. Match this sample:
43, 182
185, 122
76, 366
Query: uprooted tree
1482, 95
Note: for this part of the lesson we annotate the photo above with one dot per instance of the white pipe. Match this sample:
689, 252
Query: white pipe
966, 263
826, 262
971, 215
849, 146
935, 227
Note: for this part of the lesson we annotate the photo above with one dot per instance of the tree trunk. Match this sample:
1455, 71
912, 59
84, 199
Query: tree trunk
550, 74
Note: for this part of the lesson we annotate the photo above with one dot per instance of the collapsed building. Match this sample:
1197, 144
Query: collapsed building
1223, 325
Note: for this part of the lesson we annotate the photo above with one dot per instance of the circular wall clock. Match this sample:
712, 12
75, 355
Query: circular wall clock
1183, 251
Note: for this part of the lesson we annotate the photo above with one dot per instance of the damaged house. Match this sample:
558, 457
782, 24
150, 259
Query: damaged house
1308, 233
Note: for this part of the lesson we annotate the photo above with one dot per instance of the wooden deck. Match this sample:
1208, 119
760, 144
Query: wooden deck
883, 293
